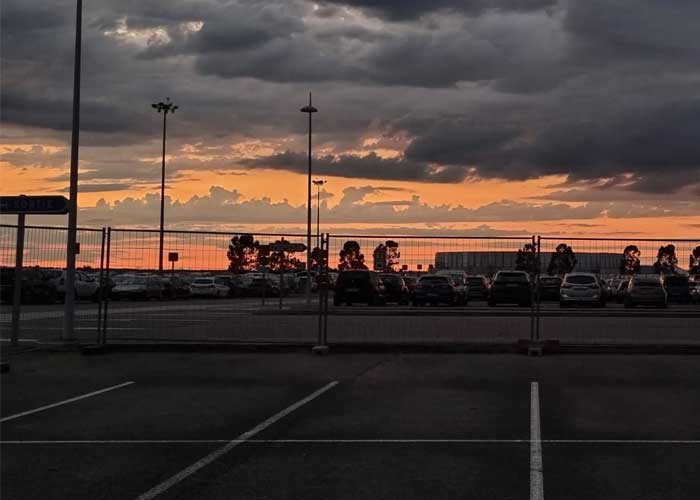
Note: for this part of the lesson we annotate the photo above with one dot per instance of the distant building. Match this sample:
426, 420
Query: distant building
489, 262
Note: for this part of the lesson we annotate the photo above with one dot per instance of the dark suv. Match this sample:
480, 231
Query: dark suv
395, 288
678, 289
359, 286
511, 287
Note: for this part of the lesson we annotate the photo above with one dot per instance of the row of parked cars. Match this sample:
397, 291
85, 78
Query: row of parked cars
454, 287
47, 286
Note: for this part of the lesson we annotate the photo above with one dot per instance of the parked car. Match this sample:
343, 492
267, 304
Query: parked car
209, 287
694, 292
139, 288
677, 289
301, 278
581, 288
478, 287
175, 287
459, 278
622, 290
85, 286
437, 289
37, 287
647, 290
266, 286
549, 288
234, 284
411, 283
395, 288
511, 287
359, 286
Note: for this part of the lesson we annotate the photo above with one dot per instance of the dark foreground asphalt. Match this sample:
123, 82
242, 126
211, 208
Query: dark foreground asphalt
613, 426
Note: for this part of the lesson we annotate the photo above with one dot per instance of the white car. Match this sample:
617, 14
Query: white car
581, 288
209, 287
85, 286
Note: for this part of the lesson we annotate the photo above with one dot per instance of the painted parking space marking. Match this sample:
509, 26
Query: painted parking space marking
65, 402
536, 473
204, 461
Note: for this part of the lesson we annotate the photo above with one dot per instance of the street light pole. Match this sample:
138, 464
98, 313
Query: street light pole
69, 302
166, 107
310, 110
318, 183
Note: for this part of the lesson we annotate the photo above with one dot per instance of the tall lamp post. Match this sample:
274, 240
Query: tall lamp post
318, 183
69, 305
310, 110
165, 107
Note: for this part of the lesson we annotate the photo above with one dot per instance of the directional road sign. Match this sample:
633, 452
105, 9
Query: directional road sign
31, 205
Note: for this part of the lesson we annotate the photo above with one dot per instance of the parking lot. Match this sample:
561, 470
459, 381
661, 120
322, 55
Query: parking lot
247, 320
293, 425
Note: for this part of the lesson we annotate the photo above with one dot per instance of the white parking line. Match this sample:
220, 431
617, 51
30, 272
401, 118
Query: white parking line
693, 442
536, 478
64, 402
203, 462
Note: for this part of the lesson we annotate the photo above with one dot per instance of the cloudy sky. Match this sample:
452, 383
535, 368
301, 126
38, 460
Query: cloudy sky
490, 117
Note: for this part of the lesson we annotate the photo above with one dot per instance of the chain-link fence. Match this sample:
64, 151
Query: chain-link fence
228, 287
213, 287
43, 276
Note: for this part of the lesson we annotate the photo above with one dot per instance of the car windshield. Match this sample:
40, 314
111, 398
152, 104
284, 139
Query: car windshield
676, 281
548, 280
434, 280
647, 283
391, 279
353, 276
203, 281
581, 280
511, 277
475, 281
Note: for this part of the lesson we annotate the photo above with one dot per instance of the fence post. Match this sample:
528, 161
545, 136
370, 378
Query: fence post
539, 295
17, 295
321, 346
106, 301
102, 284
532, 299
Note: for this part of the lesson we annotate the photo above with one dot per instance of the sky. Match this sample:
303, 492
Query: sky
488, 118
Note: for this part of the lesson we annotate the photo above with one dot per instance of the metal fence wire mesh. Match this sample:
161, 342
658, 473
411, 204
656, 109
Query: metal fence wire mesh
228, 287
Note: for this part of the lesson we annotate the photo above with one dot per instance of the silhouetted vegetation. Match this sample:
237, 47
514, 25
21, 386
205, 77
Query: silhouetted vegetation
630, 263
666, 260
351, 257
243, 253
386, 256
527, 259
694, 262
562, 261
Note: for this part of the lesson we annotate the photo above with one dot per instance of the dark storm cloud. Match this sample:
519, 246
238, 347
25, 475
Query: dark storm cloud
370, 166
511, 89
411, 9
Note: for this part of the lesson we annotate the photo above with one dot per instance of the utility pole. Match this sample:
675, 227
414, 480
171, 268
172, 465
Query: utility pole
318, 183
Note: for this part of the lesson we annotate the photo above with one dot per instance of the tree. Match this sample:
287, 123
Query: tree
527, 259
379, 257
562, 261
243, 253
392, 255
386, 256
629, 264
694, 263
666, 259
350, 257
281, 260
318, 258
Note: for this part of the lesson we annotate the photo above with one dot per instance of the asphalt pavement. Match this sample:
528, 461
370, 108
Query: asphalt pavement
293, 425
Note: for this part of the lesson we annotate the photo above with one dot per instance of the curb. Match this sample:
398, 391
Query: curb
523, 346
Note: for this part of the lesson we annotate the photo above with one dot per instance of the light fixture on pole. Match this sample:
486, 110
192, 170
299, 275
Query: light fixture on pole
71, 247
165, 107
310, 110
318, 183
